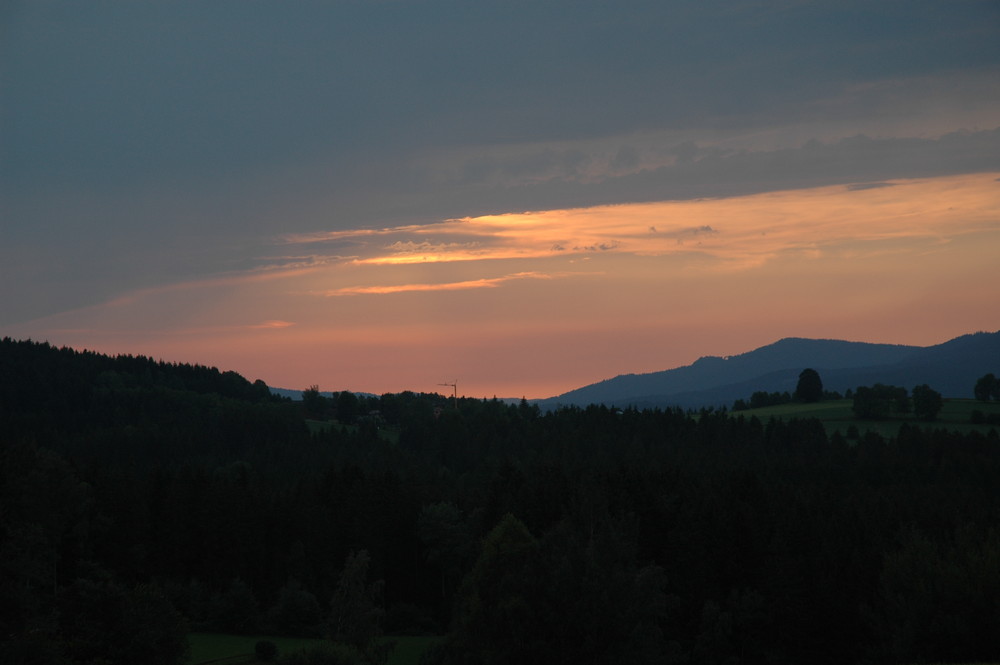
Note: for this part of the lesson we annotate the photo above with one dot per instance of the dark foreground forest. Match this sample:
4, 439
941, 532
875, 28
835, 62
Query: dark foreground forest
141, 499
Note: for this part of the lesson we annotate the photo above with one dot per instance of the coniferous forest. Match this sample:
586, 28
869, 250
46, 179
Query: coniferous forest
141, 499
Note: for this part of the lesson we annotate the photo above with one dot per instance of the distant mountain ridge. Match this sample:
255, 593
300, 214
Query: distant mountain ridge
951, 368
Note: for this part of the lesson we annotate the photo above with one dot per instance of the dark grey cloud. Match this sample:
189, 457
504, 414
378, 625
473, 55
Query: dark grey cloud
132, 91
147, 141
710, 171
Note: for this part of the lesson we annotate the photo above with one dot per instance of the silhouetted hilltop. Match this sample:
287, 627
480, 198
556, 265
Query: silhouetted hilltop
37, 371
950, 368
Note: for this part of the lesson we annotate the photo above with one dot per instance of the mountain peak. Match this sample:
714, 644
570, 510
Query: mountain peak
717, 380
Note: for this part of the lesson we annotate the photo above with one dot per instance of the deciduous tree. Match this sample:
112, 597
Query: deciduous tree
356, 608
810, 386
927, 402
987, 388
495, 611
880, 400
314, 403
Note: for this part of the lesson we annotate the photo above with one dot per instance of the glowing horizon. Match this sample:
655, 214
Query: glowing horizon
331, 197
537, 303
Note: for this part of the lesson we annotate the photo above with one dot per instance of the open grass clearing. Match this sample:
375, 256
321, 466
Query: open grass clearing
837, 415
386, 433
225, 649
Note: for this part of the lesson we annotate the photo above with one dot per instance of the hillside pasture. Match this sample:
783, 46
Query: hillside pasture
225, 649
838, 416
386, 433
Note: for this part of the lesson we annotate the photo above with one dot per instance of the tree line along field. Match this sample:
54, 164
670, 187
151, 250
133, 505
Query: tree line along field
838, 416
144, 502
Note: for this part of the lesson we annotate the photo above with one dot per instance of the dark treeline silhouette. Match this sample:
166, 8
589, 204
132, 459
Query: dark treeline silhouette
188, 498
760, 399
987, 388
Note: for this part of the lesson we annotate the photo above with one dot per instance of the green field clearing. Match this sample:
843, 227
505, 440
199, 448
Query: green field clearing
836, 415
225, 649
390, 434
237, 649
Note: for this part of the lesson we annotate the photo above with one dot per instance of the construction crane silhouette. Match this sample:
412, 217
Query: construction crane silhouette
454, 391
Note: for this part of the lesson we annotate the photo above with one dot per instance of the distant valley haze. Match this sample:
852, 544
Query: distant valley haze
525, 199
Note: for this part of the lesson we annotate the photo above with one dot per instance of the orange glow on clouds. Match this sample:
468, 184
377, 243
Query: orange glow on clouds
537, 303
272, 325
746, 230
448, 286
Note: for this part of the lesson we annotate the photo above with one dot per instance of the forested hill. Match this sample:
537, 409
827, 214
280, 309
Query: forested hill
139, 500
34, 371
951, 368
102, 406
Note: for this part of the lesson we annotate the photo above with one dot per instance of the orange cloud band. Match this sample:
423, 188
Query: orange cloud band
486, 283
746, 230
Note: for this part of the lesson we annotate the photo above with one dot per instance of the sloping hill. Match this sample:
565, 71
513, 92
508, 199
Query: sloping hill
950, 368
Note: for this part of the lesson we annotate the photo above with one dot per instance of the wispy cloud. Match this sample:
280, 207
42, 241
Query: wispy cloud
737, 230
271, 325
722, 235
868, 185
485, 283
274, 270
350, 234
833, 255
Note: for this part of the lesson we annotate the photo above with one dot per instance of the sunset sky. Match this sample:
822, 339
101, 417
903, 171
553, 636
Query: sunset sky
523, 197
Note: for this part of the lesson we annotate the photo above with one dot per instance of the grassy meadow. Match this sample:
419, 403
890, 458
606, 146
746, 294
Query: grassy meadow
224, 649
837, 415
390, 434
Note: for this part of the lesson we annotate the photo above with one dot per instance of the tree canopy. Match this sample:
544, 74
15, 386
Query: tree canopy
572, 535
809, 387
987, 388
927, 402
880, 401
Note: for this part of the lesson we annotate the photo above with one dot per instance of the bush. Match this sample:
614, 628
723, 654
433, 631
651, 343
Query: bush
266, 650
102, 621
297, 612
436, 654
235, 610
407, 619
